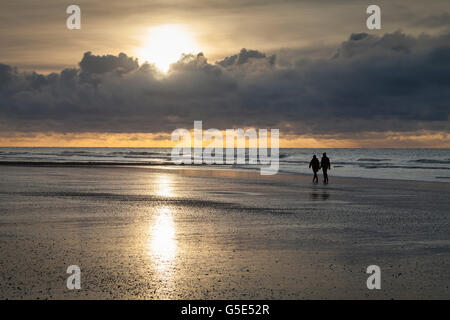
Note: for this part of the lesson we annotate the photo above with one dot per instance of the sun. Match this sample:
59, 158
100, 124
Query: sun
165, 44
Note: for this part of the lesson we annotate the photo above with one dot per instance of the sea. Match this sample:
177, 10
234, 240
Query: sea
398, 164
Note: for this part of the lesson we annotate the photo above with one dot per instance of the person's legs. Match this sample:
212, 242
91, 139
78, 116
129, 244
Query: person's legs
316, 178
325, 177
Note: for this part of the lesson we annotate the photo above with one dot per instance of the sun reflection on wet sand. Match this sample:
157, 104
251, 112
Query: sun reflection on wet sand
164, 186
162, 243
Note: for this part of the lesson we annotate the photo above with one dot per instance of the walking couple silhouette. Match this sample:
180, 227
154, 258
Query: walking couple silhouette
324, 164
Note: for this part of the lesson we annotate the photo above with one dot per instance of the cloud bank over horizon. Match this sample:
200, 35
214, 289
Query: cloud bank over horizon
390, 83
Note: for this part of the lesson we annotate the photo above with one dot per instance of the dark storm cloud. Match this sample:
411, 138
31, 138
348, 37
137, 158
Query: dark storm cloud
107, 63
92, 66
5, 74
394, 82
246, 56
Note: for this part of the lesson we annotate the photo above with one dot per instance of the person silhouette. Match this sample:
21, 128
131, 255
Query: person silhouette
325, 165
315, 167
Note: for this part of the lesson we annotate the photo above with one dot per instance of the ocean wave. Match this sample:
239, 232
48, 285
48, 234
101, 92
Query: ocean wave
431, 161
93, 155
136, 153
12, 153
65, 152
296, 161
387, 166
372, 160
41, 162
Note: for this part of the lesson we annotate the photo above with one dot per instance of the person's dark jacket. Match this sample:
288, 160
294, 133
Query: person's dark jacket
325, 163
314, 164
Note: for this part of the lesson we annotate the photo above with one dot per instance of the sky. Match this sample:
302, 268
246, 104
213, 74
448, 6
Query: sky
309, 68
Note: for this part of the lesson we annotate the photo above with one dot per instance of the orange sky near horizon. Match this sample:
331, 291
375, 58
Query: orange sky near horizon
162, 140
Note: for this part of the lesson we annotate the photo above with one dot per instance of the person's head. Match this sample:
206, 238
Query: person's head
314, 156
324, 154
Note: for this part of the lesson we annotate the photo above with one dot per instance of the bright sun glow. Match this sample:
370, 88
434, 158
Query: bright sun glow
165, 45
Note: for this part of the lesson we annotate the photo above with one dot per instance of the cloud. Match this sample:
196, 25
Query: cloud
389, 83
107, 63
91, 66
434, 21
246, 56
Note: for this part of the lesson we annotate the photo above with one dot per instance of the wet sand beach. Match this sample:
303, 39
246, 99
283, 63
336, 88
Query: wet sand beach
172, 233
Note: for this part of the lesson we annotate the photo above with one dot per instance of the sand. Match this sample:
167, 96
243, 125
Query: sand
172, 233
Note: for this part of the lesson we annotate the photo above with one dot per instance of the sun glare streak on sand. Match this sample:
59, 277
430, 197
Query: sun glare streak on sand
162, 242
164, 186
